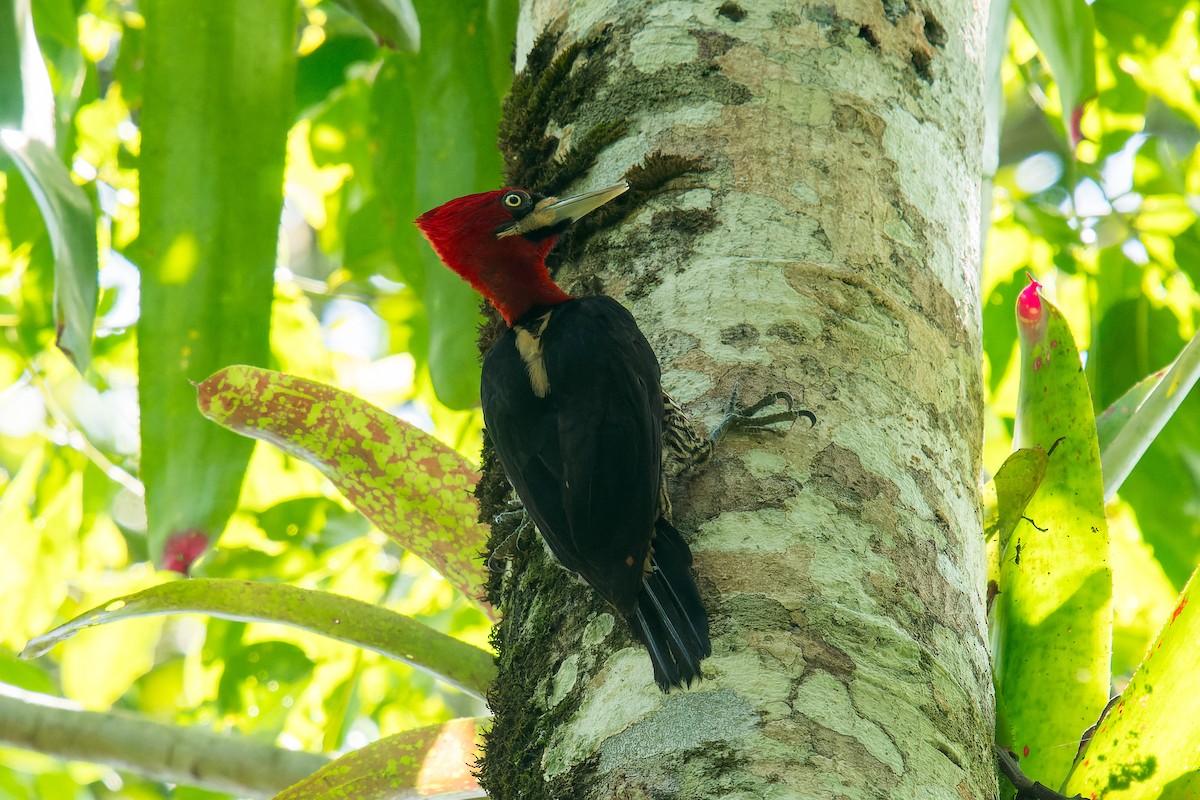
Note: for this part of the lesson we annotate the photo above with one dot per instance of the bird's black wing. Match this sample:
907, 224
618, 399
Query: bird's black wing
605, 378
523, 429
586, 459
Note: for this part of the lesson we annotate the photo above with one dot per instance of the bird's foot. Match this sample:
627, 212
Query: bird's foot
510, 544
746, 418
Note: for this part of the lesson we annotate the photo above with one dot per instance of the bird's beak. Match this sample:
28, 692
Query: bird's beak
570, 209
554, 214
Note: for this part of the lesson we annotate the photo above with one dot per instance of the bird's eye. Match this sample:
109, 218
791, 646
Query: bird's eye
513, 200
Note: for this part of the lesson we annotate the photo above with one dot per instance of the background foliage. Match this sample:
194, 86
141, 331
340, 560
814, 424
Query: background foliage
1096, 197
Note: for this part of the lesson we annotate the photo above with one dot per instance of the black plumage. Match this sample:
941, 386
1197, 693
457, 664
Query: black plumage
573, 404
572, 401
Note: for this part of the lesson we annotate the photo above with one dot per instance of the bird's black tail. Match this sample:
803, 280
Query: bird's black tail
669, 617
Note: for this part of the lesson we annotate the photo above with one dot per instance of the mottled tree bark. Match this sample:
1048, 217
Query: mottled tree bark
823, 241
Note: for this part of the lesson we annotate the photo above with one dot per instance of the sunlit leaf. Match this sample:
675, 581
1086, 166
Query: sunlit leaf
1004, 499
211, 179
414, 488
1135, 337
27, 135
1113, 419
999, 330
71, 223
1145, 746
19, 542
256, 677
26, 98
342, 618
325, 69
1136, 435
57, 29
1015, 483
424, 764
1054, 613
38, 552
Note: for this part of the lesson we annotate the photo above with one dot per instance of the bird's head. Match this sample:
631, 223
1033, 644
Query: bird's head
498, 242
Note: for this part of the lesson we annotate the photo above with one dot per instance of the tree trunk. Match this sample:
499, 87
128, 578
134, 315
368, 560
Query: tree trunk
819, 236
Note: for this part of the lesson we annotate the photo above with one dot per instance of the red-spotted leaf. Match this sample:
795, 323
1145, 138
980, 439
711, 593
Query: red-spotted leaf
414, 488
1054, 613
342, 618
425, 764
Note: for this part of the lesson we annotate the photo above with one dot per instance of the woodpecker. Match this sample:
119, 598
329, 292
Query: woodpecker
574, 406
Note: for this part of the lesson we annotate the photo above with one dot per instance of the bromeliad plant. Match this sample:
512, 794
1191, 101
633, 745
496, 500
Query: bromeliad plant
1050, 587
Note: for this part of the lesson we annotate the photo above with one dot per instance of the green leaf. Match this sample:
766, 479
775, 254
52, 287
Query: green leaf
1143, 595
1134, 25
1145, 746
393, 21
56, 25
413, 487
217, 106
1013, 486
27, 135
437, 116
35, 561
1054, 613
71, 223
1005, 497
999, 329
324, 70
14, 20
1138, 334
430, 763
1152, 414
345, 619
26, 96
258, 675
1113, 419
1065, 33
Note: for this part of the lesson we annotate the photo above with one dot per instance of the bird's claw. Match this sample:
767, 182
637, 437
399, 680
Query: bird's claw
745, 418
511, 543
